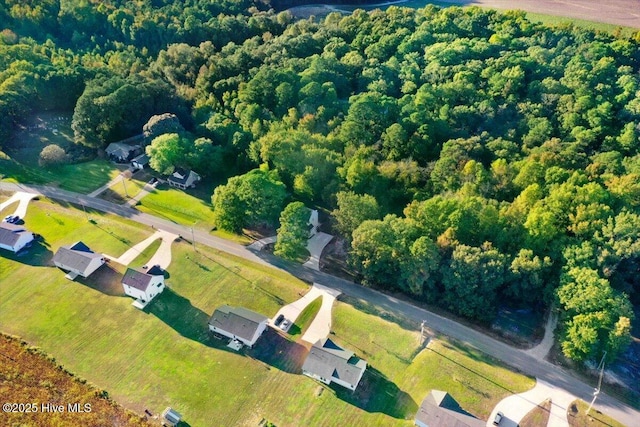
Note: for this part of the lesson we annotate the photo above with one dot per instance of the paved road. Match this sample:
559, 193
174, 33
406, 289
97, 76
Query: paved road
517, 358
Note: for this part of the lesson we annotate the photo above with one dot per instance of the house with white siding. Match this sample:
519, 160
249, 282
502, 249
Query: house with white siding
238, 324
78, 260
143, 285
329, 363
14, 237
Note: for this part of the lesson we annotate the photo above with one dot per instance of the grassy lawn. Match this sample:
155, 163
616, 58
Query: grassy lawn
164, 355
305, 318
146, 254
578, 418
126, 188
19, 162
179, 206
538, 416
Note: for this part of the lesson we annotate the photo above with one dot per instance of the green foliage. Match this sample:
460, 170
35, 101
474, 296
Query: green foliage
253, 199
293, 232
52, 155
353, 210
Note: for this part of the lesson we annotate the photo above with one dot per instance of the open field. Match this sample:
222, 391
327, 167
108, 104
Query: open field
164, 356
36, 378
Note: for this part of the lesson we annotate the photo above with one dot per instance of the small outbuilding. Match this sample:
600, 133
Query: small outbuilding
170, 417
78, 260
238, 323
14, 237
122, 153
140, 162
183, 179
439, 409
143, 285
328, 362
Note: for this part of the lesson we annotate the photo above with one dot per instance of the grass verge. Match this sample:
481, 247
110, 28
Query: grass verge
538, 416
577, 417
305, 318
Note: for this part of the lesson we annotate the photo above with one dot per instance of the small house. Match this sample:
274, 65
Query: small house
439, 409
140, 162
122, 153
170, 417
328, 362
143, 285
238, 323
78, 260
14, 237
183, 179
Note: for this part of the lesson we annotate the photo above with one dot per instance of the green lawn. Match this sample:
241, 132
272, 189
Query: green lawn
301, 324
125, 188
577, 416
179, 206
19, 161
146, 254
164, 356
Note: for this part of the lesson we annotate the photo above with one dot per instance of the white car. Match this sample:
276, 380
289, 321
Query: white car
284, 325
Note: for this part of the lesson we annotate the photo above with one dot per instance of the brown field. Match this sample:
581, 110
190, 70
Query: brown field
36, 391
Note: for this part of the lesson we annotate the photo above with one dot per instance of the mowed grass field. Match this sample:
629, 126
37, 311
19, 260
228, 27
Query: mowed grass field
164, 356
179, 206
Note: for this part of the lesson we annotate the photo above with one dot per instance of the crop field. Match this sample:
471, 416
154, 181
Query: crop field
164, 355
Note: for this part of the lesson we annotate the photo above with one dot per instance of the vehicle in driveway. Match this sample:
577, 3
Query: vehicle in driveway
279, 320
11, 219
498, 418
284, 325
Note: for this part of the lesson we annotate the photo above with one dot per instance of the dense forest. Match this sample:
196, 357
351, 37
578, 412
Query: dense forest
469, 157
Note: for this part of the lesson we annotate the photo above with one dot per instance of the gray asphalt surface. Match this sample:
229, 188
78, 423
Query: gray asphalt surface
514, 357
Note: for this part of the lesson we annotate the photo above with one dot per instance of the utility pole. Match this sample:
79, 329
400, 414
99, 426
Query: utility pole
193, 237
597, 390
85, 212
125, 186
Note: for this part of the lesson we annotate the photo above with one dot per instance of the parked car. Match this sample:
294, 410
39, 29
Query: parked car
279, 319
498, 418
11, 219
284, 325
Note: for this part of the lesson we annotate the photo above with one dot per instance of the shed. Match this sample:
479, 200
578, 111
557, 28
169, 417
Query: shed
170, 417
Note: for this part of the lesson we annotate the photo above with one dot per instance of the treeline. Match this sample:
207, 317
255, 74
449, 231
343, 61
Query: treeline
469, 157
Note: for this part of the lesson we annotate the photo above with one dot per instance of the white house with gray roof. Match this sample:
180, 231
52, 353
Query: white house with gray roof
238, 323
14, 237
78, 260
328, 362
143, 285
183, 179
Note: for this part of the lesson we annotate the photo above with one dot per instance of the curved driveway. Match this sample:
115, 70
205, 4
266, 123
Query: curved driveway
530, 365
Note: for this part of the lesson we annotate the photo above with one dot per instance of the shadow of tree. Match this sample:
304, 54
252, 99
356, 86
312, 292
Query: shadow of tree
277, 351
376, 393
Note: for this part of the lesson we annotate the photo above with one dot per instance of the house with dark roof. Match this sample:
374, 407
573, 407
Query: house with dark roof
143, 285
238, 323
171, 417
122, 153
140, 162
439, 409
78, 260
14, 237
328, 362
183, 179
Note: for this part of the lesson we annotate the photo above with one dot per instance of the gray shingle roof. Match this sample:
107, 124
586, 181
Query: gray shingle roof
327, 359
181, 176
238, 321
439, 409
77, 256
140, 279
10, 233
120, 150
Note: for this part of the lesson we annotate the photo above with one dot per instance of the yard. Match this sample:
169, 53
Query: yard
164, 356
187, 208
19, 162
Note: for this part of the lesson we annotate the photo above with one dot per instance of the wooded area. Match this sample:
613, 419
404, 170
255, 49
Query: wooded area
469, 157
